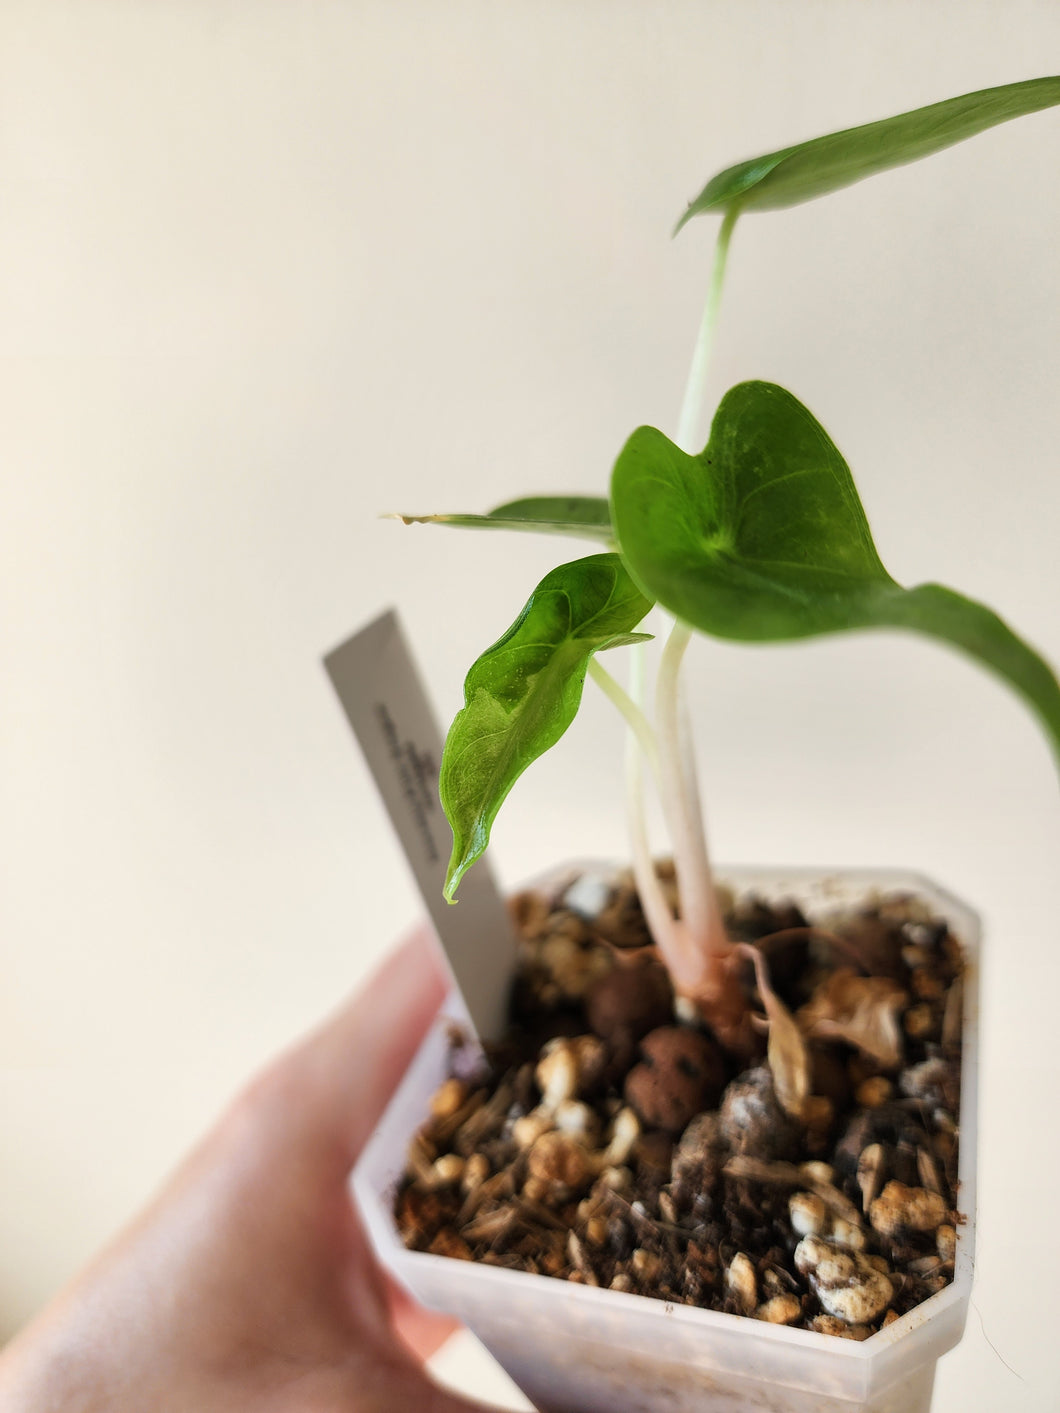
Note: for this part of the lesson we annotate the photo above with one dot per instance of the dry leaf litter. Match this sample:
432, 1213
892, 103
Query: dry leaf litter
613, 1144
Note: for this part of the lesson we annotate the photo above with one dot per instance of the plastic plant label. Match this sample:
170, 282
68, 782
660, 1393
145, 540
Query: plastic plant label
380, 689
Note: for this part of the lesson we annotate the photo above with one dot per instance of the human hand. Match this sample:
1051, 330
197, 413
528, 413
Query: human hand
249, 1284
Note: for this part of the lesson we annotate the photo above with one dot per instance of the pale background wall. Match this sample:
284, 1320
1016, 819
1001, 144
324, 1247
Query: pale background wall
269, 269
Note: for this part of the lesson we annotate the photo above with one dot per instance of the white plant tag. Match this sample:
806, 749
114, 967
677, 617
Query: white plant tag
385, 702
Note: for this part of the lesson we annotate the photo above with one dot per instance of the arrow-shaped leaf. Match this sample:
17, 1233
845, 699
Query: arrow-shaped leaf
522, 693
825, 164
587, 517
762, 537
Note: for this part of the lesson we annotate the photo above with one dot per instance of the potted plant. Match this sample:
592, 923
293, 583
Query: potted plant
760, 537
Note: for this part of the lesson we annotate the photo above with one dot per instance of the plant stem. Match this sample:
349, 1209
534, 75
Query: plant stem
705, 977
693, 945
692, 404
680, 798
665, 929
636, 720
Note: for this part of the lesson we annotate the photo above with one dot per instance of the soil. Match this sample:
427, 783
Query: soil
612, 1142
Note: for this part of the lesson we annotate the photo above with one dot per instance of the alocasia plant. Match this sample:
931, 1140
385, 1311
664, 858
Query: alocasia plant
760, 537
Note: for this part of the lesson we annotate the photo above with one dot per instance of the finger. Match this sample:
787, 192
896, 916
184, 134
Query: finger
348, 1069
422, 1331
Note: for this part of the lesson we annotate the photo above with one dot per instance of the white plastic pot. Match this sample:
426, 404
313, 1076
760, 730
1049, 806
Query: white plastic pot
576, 1349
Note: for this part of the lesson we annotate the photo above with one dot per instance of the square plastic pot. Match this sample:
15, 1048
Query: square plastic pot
576, 1349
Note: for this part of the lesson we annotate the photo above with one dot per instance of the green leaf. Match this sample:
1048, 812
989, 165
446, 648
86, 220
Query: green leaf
825, 164
522, 693
587, 517
593, 511
762, 538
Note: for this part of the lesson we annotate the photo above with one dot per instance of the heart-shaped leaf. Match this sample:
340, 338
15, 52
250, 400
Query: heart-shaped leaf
825, 164
587, 517
522, 693
762, 537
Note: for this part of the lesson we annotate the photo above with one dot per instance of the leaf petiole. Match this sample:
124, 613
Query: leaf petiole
680, 800
664, 928
692, 403
636, 720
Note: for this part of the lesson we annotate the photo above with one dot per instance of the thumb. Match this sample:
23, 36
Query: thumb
345, 1071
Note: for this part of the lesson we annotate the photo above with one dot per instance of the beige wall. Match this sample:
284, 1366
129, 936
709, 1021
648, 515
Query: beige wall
269, 269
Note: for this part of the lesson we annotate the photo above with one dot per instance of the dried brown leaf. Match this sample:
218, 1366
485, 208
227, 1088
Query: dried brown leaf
789, 1060
861, 1010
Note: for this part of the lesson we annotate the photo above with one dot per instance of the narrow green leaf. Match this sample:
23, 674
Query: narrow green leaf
593, 511
825, 164
762, 538
522, 693
587, 517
